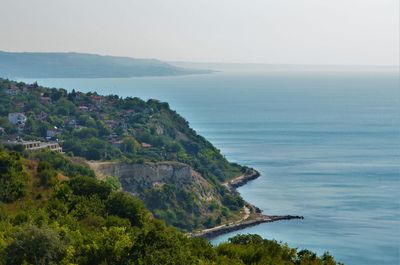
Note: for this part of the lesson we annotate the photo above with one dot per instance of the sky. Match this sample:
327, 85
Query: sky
338, 32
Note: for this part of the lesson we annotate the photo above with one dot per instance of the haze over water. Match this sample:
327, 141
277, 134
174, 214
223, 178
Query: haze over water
327, 145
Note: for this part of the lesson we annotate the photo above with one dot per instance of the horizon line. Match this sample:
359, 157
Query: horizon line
212, 62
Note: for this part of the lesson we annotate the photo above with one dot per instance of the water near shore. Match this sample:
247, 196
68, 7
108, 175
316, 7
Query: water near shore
327, 146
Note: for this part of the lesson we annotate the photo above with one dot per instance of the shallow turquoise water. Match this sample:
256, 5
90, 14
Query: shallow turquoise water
327, 146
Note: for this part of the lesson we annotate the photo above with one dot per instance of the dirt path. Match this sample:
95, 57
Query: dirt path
246, 215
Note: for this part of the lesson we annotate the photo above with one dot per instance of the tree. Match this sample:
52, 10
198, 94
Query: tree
127, 206
86, 186
130, 145
33, 245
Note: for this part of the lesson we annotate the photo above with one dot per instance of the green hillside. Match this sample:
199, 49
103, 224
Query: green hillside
56, 212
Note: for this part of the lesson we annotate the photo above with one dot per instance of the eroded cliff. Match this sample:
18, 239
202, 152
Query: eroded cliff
173, 191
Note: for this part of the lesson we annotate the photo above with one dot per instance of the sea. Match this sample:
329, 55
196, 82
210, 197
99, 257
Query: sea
327, 145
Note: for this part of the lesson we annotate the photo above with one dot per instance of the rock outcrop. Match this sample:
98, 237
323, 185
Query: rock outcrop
136, 178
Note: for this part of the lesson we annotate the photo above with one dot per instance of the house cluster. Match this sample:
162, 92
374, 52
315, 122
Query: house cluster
13, 89
97, 102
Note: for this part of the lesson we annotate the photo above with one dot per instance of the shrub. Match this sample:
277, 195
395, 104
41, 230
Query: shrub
126, 206
86, 186
34, 245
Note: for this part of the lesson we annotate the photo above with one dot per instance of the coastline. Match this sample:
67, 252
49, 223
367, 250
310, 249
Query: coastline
249, 219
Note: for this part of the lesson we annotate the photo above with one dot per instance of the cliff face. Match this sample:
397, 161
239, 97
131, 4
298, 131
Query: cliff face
172, 191
137, 178
176, 193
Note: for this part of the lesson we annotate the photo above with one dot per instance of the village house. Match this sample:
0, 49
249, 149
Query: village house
45, 100
97, 100
116, 143
17, 118
51, 133
2, 131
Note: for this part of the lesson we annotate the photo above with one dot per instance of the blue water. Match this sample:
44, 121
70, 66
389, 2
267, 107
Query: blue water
327, 146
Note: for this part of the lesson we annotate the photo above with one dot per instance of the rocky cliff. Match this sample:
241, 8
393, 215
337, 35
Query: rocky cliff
173, 191
136, 178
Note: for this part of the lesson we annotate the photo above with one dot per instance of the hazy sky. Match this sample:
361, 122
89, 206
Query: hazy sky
261, 31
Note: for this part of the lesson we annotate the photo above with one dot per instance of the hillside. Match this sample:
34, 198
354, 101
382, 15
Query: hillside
145, 141
81, 65
53, 211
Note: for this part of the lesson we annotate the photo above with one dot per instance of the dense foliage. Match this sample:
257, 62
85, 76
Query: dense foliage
80, 220
109, 127
13, 178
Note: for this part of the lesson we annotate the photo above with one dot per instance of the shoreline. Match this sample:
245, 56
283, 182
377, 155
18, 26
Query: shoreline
259, 219
248, 220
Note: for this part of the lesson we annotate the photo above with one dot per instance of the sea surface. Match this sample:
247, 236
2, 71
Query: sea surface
327, 145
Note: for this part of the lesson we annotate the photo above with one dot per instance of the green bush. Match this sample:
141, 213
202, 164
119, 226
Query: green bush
126, 206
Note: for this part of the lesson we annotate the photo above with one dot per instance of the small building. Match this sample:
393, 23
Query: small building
2, 131
55, 147
84, 108
45, 100
17, 118
51, 133
71, 123
37, 145
97, 100
117, 143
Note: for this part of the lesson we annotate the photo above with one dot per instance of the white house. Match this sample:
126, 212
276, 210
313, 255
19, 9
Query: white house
17, 118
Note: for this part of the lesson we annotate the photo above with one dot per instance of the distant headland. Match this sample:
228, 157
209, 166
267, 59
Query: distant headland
83, 65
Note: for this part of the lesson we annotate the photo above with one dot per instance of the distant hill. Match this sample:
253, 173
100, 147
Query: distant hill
81, 65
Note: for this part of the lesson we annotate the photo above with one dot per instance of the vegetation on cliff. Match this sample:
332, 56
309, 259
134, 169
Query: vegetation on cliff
70, 217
